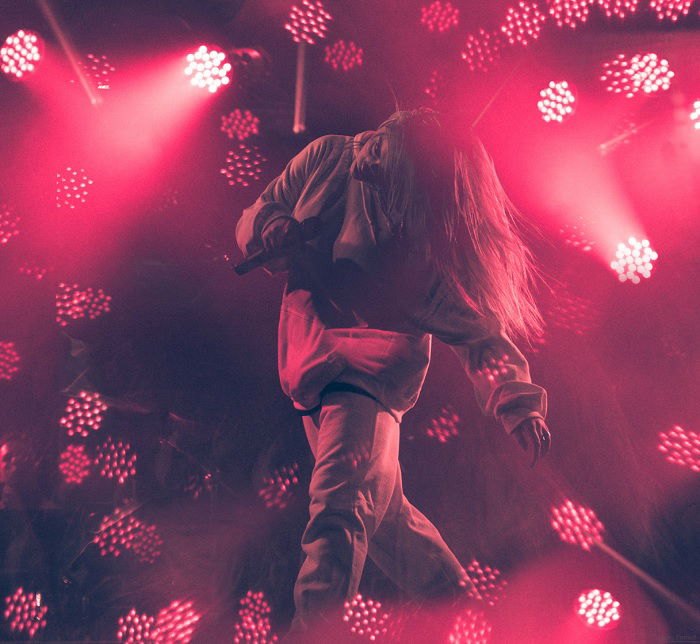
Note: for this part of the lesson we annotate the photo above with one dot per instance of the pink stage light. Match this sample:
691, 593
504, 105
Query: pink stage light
9, 224
240, 124
20, 54
83, 413
489, 583
598, 609
577, 235
309, 22
208, 68
695, 114
439, 16
9, 360
119, 532
445, 425
619, 8
634, 260
243, 165
197, 484
434, 84
25, 612
253, 624
365, 617
523, 23
73, 303
74, 464
470, 627
572, 312
556, 101
72, 187
135, 628
481, 50
176, 623
34, 270
279, 488
681, 447
342, 55
98, 69
645, 73
116, 460
569, 12
671, 9
577, 525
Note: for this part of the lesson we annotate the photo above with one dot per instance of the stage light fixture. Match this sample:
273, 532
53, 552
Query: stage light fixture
344, 56
598, 609
135, 628
634, 259
278, 488
444, 426
488, 582
671, 9
557, 101
25, 612
243, 165
523, 23
208, 68
83, 413
645, 73
618, 8
74, 464
240, 124
9, 224
482, 49
20, 54
9, 360
116, 460
439, 16
309, 22
119, 532
681, 447
471, 627
98, 69
72, 187
35, 271
569, 13
253, 623
177, 622
577, 525
432, 89
695, 114
74, 303
365, 617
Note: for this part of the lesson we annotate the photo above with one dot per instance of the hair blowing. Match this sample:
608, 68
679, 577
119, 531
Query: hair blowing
456, 212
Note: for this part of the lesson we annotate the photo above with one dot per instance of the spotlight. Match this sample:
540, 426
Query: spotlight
134, 628
598, 609
444, 426
72, 187
83, 413
279, 488
342, 55
523, 23
556, 101
645, 73
569, 12
253, 624
72, 303
619, 8
25, 612
365, 617
634, 260
177, 622
471, 627
489, 582
439, 16
9, 224
208, 68
309, 22
116, 460
434, 85
671, 9
240, 124
695, 115
482, 49
20, 54
243, 166
74, 464
681, 447
9, 360
119, 532
577, 525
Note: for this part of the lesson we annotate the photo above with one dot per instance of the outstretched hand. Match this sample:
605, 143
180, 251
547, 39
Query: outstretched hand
533, 432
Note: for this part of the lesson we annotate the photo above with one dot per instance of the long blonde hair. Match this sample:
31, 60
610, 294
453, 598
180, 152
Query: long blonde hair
445, 187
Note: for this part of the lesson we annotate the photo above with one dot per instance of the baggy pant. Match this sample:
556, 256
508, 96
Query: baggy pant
358, 508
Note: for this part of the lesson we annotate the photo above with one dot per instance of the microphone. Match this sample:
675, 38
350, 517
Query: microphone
308, 229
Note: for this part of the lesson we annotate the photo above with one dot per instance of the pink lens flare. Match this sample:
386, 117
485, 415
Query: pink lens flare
577, 525
309, 22
681, 447
9, 360
208, 69
83, 413
25, 612
598, 609
20, 54
240, 124
74, 464
365, 618
439, 16
557, 101
523, 23
343, 55
634, 259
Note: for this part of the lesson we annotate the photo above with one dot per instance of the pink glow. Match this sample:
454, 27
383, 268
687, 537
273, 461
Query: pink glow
343, 56
671, 9
445, 426
439, 16
243, 165
253, 623
83, 413
471, 627
523, 23
74, 464
681, 447
176, 623
20, 54
119, 532
556, 102
98, 69
309, 22
642, 73
481, 50
240, 124
74, 303
135, 628
577, 525
365, 618
633, 260
695, 115
278, 489
25, 612
598, 609
208, 69
570, 13
489, 583
72, 187
9, 224
116, 460
9, 360
618, 8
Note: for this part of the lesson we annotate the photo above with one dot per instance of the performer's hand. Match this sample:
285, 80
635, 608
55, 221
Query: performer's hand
281, 235
534, 432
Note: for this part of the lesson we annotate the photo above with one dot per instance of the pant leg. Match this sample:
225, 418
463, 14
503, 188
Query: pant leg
355, 442
408, 549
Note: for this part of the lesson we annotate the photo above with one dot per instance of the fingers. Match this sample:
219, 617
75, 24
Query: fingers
281, 234
534, 432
